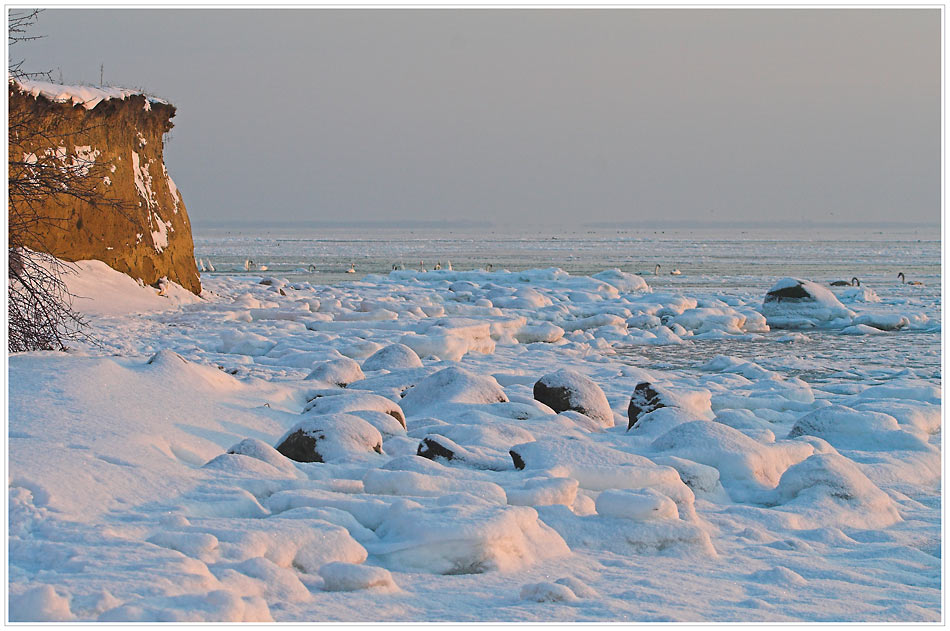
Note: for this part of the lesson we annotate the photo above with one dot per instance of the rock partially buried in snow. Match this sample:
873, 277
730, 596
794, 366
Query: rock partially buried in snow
793, 303
645, 399
349, 577
649, 397
392, 357
341, 372
328, 438
567, 389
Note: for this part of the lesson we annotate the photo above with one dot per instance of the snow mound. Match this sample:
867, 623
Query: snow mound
541, 332
738, 458
40, 604
262, 451
636, 504
544, 492
846, 428
349, 577
392, 357
623, 281
341, 371
464, 535
546, 592
452, 385
351, 401
834, 491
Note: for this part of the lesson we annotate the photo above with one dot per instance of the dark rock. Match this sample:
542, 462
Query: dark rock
430, 448
301, 447
644, 400
517, 459
794, 293
570, 390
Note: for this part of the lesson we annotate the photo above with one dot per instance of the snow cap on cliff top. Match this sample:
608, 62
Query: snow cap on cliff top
84, 95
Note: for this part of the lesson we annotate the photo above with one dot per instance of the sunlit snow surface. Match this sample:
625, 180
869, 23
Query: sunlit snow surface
794, 476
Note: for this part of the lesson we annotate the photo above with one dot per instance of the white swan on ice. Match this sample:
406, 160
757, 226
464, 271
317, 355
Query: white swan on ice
656, 271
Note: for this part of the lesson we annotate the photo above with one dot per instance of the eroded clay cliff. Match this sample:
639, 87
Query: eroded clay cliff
116, 137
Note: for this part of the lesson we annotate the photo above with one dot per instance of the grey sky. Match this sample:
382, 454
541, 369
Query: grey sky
547, 116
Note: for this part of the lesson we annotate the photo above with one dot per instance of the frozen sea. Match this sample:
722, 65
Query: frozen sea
712, 261
783, 462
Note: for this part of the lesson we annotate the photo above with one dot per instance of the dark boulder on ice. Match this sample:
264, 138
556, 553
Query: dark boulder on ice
392, 357
567, 389
645, 399
330, 438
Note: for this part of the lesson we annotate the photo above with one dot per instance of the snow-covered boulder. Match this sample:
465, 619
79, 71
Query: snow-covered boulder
353, 401
452, 385
648, 397
329, 438
567, 389
793, 303
341, 371
392, 357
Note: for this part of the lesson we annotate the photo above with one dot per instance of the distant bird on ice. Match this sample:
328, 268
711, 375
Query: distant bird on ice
843, 283
656, 271
448, 265
247, 265
352, 269
201, 265
210, 266
438, 265
675, 272
900, 275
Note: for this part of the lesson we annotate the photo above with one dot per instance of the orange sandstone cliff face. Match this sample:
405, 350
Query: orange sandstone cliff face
118, 135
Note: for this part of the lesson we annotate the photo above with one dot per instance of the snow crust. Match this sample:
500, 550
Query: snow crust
84, 95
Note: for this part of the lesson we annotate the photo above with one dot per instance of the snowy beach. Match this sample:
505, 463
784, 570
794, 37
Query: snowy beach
558, 439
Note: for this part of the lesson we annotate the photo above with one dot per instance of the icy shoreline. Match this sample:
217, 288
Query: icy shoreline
741, 491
